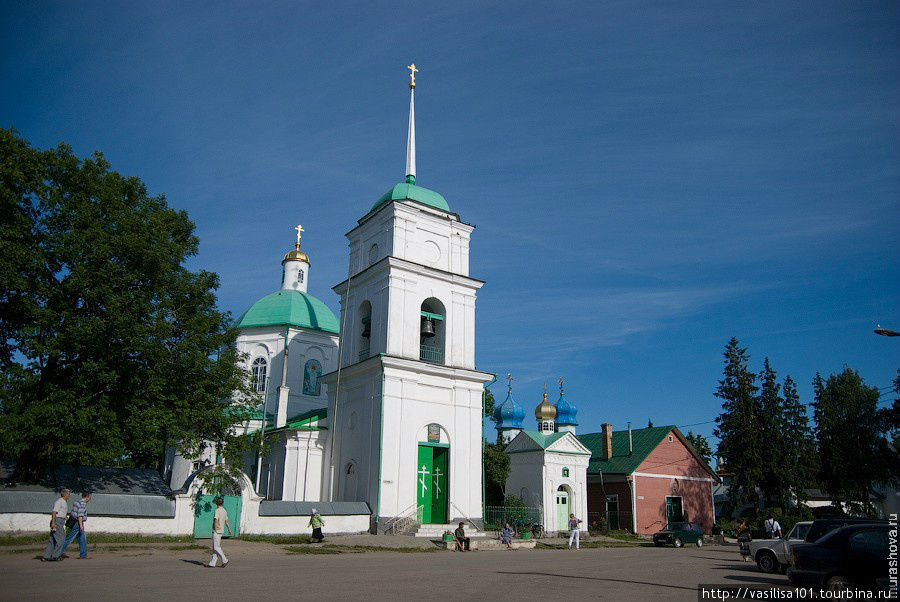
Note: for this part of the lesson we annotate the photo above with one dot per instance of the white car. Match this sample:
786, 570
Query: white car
773, 555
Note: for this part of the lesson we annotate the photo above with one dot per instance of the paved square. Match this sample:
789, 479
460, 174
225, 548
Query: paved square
266, 571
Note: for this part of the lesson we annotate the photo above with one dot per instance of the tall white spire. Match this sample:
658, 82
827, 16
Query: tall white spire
411, 135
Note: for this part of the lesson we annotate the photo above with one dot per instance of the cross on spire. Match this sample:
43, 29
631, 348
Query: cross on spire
561, 381
300, 231
412, 75
509, 379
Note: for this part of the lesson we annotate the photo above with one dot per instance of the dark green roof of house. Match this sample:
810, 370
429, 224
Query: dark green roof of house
406, 191
290, 308
304, 421
644, 442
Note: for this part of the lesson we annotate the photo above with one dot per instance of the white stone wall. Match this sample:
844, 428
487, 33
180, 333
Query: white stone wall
295, 466
576, 482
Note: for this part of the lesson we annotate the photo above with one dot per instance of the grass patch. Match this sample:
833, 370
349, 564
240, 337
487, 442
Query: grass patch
626, 536
187, 547
332, 549
41, 538
313, 550
277, 539
587, 544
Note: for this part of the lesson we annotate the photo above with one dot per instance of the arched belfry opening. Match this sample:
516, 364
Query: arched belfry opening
364, 329
432, 331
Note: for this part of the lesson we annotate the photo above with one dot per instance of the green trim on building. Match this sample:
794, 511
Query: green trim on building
290, 308
406, 191
432, 444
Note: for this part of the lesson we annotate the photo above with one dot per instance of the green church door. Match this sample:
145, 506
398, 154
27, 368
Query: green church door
432, 483
562, 510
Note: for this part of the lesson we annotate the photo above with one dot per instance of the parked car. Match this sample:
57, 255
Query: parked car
678, 534
825, 525
850, 557
773, 555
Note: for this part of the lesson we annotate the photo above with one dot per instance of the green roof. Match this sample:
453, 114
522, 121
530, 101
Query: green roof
406, 191
644, 442
306, 418
543, 440
290, 308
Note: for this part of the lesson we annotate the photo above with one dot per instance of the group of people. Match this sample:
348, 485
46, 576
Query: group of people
506, 533
66, 525
220, 523
745, 536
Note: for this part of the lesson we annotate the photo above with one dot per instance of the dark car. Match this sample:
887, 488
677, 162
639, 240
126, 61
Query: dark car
825, 525
678, 534
850, 557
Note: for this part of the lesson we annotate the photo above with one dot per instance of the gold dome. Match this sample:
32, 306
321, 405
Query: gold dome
545, 410
295, 254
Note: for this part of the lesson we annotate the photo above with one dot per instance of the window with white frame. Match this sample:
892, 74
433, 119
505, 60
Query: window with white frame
258, 374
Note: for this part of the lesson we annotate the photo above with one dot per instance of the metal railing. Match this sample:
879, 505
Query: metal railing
464, 515
406, 521
518, 518
432, 355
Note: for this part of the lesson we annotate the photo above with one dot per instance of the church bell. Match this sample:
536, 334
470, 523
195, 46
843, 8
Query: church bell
427, 327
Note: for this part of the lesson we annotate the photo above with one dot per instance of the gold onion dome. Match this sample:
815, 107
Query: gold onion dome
295, 254
545, 410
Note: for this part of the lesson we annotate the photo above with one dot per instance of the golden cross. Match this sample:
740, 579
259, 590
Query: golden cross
299, 230
412, 75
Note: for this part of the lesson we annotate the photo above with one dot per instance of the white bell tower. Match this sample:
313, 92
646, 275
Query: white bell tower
406, 402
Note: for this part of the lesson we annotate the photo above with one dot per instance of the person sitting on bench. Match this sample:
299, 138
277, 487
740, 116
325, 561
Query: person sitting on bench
506, 535
462, 542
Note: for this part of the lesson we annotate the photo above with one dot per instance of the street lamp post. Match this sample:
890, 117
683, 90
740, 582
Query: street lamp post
885, 332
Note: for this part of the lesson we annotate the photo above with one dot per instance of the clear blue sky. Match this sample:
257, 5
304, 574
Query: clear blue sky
647, 180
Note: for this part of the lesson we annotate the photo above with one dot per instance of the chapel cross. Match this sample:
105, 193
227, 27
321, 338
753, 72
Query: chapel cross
412, 75
424, 472
437, 482
509, 379
561, 381
300, 231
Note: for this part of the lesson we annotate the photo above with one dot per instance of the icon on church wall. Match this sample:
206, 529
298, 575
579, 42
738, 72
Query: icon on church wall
311, 373
434, 433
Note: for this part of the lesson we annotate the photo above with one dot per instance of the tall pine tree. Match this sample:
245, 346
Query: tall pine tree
798, 453
737, 427
853, 450
769, 406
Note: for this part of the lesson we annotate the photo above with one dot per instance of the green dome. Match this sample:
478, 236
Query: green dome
290, 308
407, 191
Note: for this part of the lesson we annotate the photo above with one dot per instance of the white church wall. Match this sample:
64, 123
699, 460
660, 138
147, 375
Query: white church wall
525, 479
449, 398
575, 483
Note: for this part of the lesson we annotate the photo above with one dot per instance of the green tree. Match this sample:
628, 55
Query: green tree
798, 447
111, 349
701, 444
850, 434
496, 471
769, 406
489, 404
740, 445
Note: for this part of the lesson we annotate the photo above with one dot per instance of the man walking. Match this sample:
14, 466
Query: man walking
57, 527
574, 532
79, 513
220, 522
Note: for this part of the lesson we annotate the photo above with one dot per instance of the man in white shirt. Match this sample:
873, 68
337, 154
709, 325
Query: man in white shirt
220, 522
57, 527
773, 529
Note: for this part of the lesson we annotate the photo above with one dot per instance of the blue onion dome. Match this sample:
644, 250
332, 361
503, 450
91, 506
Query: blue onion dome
565, 412
509, 414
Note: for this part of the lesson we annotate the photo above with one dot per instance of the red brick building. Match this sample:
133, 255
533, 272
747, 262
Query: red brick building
641, 479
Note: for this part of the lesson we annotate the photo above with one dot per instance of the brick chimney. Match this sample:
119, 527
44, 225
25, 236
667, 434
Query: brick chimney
607, 440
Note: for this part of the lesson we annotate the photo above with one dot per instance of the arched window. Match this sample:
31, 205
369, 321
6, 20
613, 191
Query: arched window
364, 328
432, 331
311, 383
300, 276
258, 374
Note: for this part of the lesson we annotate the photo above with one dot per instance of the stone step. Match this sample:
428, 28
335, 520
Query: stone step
435, 531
